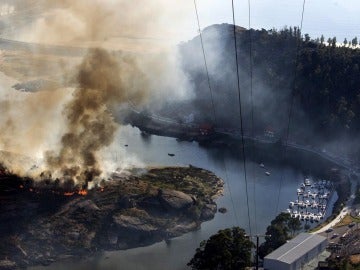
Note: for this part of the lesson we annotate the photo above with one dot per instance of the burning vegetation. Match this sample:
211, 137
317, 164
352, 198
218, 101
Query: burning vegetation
42, 221
90, 125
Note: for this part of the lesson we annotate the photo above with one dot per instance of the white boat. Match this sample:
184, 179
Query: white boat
262, 165
314, 205
267, 173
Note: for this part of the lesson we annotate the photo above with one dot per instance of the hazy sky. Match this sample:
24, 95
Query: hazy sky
340, 18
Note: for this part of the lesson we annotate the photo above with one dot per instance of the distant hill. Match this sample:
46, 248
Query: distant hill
326, 90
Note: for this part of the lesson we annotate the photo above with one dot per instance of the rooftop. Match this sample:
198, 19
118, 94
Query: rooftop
296, 248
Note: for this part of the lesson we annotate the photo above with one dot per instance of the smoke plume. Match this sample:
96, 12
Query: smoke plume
89, 122
70, 126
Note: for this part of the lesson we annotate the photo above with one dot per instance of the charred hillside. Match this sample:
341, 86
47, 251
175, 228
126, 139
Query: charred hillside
326, 88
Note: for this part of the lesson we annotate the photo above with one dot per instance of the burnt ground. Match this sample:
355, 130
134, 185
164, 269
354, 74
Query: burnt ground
45, 222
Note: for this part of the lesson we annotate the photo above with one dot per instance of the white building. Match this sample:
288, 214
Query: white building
296, 253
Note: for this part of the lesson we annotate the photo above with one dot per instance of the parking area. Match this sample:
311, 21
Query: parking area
335, 234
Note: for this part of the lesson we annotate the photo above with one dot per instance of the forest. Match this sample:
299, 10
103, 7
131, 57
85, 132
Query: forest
318, 80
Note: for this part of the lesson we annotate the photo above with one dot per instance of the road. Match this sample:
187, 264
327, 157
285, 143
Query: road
346, 210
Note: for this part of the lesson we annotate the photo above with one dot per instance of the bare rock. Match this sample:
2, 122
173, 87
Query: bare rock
208, 211
132, 223
175, 200
88, 205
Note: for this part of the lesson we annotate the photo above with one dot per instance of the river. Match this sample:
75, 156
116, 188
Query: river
263, 192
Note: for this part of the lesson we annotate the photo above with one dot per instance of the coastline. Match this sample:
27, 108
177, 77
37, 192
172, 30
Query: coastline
130, 211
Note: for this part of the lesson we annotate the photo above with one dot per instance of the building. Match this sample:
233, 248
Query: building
296, 253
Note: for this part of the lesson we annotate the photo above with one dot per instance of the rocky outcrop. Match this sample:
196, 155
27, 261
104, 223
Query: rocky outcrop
174, 199
208, 211
133, 224
135, 211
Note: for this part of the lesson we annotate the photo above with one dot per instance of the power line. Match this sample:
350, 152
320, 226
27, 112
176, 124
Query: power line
291, 103
230, 193
240, 115
252, 112
213, 109
205, 63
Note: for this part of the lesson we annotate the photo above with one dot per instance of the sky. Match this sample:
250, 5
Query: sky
340, 18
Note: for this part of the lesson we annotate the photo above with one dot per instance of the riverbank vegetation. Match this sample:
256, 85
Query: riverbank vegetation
228, 249
281, 229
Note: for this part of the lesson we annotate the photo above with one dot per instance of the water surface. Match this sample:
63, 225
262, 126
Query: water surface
263, 193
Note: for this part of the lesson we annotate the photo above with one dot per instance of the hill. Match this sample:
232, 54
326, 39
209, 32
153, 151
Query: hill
322, 77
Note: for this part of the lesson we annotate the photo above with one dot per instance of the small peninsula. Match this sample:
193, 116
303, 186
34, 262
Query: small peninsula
144, 206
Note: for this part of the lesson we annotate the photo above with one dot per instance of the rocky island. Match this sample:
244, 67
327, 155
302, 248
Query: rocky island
42, 223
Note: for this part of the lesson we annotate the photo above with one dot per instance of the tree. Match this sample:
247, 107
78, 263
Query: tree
345, 42
278, 233
329, 41
333, 42
354, 41
294, 225
322, 38
228, 249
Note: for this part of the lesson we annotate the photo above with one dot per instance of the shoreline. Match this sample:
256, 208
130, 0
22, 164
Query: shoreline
324, 164
135, 211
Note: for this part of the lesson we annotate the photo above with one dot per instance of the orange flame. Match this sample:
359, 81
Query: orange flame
68, 193
82, 192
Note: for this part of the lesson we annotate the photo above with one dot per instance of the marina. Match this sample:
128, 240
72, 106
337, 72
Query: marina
312, 200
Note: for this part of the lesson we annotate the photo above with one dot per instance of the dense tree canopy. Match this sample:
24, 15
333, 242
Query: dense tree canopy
281, 229
228, 249
326, 88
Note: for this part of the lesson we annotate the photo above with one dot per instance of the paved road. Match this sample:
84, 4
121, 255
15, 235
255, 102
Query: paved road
346, 210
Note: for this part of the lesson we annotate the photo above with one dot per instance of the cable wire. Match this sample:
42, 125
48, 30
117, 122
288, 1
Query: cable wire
283, 156
230, 193
205, 62
240, 115
214, 111
252, 113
